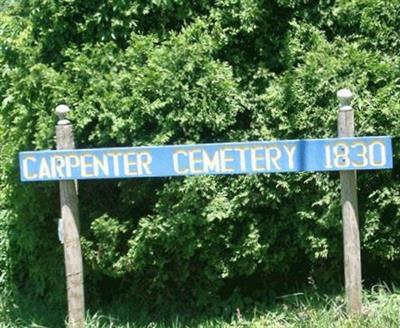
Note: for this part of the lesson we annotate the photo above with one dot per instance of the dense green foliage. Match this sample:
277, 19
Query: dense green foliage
171, 71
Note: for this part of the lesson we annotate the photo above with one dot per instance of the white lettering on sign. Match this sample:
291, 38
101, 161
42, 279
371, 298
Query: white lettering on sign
25, 167
336, 154
176, 162
231, 159
115, 163
211, 162
242, 151
256, 158
44, 171
71, 162
130, 164
356, 154
290, 154
195, 161
374, 160
88, 165
274, 154
99, 165
361, 154
144, 160
226, 160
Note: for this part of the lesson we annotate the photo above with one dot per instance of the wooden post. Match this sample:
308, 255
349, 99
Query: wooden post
351, 233
70, 221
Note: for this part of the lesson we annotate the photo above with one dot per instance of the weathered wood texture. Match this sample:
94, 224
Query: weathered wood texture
351, 233
72, 247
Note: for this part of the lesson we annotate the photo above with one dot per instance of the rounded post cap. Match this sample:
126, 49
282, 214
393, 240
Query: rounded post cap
61, 112
344, 96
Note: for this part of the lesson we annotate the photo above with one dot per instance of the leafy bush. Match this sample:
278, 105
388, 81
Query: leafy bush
169, 72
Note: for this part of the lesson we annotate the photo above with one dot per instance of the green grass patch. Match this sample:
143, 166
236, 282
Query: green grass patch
381, 308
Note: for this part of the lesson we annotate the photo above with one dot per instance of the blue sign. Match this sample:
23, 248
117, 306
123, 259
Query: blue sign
366, 153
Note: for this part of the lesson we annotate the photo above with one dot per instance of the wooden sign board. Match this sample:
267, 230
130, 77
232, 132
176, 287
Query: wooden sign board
336, 154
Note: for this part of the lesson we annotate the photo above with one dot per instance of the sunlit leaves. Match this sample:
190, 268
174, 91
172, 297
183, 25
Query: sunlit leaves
171, 72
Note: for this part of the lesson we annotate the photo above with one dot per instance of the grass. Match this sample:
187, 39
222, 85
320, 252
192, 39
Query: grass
381, 309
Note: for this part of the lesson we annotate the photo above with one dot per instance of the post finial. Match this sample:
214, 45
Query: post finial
61, 112
345, 96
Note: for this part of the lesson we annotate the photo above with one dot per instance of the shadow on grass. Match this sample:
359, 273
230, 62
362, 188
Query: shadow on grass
310, 308
28, 311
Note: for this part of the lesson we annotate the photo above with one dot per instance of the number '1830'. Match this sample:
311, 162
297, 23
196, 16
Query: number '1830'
357, 155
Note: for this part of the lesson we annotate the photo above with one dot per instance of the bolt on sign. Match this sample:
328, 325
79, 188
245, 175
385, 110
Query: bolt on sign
336, 154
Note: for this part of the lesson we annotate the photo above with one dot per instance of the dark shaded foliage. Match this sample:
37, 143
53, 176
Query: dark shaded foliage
171, 71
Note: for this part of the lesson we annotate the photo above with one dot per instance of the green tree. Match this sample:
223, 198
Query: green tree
169, 72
